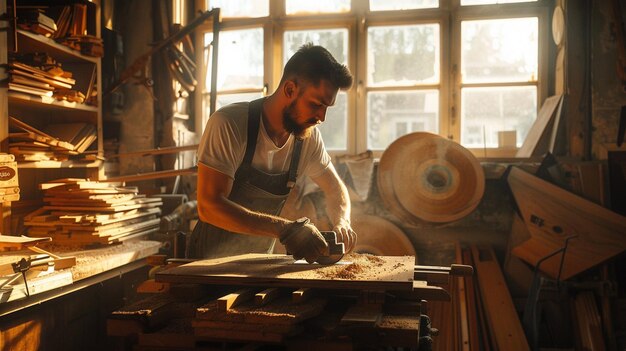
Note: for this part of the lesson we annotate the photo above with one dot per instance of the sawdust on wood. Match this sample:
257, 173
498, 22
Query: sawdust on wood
399, 322
360, 266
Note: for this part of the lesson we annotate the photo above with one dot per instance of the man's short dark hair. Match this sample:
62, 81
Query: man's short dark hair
312, 63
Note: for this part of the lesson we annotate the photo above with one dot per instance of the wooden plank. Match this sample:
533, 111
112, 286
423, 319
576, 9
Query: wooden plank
9, 242
503, 320
280, 312
559, 215
474, 325
266, 296
360, 272
540, 128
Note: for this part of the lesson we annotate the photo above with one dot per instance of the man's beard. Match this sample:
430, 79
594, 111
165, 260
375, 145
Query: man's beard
290, 125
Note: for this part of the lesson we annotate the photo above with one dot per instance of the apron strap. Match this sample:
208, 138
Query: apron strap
293, 166
254, 113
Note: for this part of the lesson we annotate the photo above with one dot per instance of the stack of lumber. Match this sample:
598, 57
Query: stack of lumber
31, 80
36, 21
57, 143
255, 315
72, 31
85, 213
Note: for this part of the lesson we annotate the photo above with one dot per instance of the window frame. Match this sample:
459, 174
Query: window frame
449, 16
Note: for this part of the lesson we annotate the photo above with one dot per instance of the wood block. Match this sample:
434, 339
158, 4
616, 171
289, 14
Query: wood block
225, 303
362, 316
150, 286
302, 295
266, 296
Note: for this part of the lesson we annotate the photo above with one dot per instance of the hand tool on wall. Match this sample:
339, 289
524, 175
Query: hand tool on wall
139, 64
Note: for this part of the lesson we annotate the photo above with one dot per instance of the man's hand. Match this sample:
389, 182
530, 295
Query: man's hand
345, 234
303, 240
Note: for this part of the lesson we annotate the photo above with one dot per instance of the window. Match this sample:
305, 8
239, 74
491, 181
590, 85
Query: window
464, 69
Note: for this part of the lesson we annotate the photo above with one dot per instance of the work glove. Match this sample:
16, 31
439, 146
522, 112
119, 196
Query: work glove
303, 240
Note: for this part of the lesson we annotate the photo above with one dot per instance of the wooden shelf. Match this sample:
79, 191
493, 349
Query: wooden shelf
30, 42
59, 164
49, 102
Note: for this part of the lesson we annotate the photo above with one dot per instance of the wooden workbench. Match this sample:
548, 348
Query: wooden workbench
363, 300
72, 314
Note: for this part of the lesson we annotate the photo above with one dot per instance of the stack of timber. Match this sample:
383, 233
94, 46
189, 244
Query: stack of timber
72, 31
9, 186
36, 21
84, 213
39, 80
58, 142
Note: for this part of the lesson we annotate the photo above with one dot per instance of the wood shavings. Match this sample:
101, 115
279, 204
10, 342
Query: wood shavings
362, 265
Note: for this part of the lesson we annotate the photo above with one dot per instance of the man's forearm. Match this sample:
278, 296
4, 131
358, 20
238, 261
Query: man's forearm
338, 205
233, 217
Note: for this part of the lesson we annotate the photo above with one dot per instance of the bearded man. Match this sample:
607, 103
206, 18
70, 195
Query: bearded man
252, 154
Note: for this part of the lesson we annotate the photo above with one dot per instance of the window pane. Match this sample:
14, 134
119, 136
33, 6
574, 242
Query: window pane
240, 59
486, 111
387, 5
403, 55
487, 2
334, 40
502, 50
393, 114
240, 8
335, 128
293, 7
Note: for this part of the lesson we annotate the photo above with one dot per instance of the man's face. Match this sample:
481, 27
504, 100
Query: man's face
308, 109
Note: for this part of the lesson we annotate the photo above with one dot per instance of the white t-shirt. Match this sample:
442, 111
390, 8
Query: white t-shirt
223, 146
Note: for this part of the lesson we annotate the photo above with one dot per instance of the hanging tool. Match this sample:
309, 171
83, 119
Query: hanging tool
140, 63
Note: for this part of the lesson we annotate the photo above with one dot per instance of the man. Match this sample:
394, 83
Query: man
250, 156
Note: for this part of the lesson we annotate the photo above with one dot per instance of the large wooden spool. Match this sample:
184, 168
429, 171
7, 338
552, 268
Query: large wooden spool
425, 177
378, 236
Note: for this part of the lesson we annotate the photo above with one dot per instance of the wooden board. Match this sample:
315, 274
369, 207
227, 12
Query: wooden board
503, 320
540, 128
355, 271
553, 214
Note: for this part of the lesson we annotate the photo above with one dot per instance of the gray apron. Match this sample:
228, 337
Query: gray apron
253, 189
